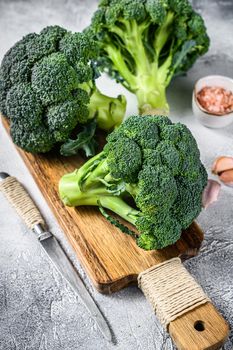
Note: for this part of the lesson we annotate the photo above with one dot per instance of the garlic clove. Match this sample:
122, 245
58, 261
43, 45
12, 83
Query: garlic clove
221, 164
210, 193
227, 177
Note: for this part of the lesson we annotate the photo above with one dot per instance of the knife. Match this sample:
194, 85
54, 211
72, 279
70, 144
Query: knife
26, 208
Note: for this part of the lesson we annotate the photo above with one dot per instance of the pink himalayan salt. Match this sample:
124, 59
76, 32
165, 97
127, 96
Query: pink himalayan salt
216, 100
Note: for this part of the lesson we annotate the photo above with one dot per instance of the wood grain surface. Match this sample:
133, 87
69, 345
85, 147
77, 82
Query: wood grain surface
111, 258
202, 328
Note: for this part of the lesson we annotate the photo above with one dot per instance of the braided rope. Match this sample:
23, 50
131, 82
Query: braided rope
21, 201
171, 290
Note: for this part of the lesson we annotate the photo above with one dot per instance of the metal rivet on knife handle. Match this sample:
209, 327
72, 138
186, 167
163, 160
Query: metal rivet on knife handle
20, 200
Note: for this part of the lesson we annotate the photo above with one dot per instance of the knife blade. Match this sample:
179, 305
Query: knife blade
20, 199
65, 267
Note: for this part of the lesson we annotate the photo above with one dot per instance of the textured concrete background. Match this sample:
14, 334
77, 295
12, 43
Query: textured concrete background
38, 310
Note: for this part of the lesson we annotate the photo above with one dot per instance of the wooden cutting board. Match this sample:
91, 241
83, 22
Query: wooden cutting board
111, 258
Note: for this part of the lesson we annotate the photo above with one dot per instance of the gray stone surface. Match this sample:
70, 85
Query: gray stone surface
38, 310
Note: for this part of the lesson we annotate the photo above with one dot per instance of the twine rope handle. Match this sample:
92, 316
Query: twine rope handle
21, 201
171, 290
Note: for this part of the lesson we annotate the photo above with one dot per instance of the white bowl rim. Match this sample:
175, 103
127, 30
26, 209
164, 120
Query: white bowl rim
195, 94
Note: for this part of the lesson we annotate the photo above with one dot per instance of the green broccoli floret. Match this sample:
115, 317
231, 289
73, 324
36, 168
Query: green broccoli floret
35, 140
145, 43
149, 173
62, 118
47, 87
53, 79
158, 231
24, 105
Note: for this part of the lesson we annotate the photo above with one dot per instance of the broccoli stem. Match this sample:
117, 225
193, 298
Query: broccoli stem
163, 33
119, 207
84, 187
121, 66
152, 96
109, 111
98, 173
142, 77
149, 89
72, 195
152, 78
82, 174
134, 44
131, 36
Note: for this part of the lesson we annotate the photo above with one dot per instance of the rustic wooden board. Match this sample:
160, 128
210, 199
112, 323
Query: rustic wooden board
111, 258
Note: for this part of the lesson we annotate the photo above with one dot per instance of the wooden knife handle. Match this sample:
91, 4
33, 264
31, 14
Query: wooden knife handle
20, 201
182, 307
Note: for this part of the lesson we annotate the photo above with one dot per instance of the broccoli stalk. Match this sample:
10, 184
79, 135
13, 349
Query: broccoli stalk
89, 186
147, 42
149, 81
149, 173
108, 111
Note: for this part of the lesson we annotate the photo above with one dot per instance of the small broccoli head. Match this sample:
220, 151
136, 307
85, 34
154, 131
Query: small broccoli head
53, 79
124, 159
53, 34
32, 140
63, 117
142, 176
12, 70
47, 80
45, 43
158, 231
79, 47
157, 10
144, 133
156, 190
35, 82
159, 162
16, 53
145, 43
133, 10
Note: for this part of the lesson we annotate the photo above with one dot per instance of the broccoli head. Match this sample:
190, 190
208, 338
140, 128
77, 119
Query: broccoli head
145, 43
48, 92
149, 173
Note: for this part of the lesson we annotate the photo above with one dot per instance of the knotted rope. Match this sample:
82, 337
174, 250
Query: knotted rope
21, 201
171, 290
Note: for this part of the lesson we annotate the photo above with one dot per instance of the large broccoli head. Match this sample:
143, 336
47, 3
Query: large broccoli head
153, 162
147, 42
47, 88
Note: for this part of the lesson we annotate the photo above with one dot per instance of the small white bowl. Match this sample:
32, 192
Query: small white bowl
204, 117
